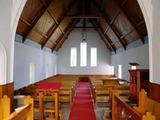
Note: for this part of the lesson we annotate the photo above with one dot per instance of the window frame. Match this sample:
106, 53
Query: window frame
93, 58
73, 60
120, 71
83, 54
32, 73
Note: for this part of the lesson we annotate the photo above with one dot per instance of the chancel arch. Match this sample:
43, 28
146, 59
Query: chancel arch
3, 64
151, 15
44, 25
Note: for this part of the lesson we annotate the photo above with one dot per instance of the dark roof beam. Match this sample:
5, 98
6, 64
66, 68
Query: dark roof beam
130, 21
40, 33
50, 14
103, 39
35, 20
85, 16
105, 35
103, 3
61, 39
53, 28
25, 22
116, 15
108, 39
102, 36
92, 27
112, 27
55, 20
36, 30
139, 24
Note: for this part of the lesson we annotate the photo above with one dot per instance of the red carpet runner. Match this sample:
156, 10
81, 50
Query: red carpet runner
82, 108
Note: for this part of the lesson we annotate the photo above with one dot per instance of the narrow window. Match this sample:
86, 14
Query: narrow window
93, 57
32, 73
83, 54
73, 57
47, 70
120, 71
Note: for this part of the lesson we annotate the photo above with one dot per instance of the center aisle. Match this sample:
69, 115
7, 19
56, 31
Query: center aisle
82, 107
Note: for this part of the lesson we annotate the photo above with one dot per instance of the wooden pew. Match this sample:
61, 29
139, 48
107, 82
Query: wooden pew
66, 92
148, 105
98, 82
4, 107
121, 110
148, 116
102, 95
21, 113
67, 89
101, 90
123, 92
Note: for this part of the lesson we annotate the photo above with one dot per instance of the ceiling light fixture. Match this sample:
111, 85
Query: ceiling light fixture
84, 35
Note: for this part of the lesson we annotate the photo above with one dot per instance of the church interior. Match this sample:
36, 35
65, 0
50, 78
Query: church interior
79, 60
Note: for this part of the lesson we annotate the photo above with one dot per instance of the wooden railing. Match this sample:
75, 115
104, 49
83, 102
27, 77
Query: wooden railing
22, 113
122, 111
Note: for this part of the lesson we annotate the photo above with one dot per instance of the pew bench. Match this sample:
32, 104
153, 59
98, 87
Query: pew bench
102, 95
146, 104
101, 90
123, 91
121, 110
66, 92
24, 112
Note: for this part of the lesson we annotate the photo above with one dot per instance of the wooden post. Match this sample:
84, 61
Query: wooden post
4, 107
141, 104
114, 105
41, 109
56, 106
29, 100
70, 92
1, 109
127, 115
148, 116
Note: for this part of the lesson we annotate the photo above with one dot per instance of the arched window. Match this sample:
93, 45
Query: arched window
3, 64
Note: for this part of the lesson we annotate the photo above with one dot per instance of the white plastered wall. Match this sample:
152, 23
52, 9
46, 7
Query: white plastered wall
139, 54
93, 40
44, 61
9, 20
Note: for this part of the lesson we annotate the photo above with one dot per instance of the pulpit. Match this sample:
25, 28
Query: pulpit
139, 79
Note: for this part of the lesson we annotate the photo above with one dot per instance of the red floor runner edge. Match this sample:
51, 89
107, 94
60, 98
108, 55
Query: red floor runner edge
82, 107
